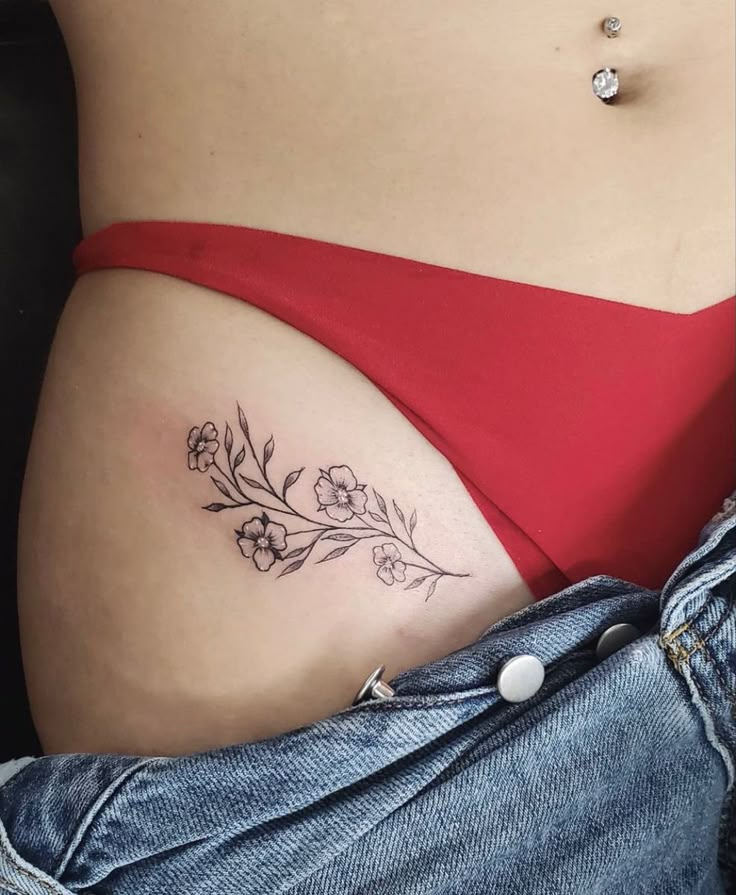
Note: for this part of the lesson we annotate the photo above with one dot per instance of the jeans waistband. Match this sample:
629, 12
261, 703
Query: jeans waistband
692, 620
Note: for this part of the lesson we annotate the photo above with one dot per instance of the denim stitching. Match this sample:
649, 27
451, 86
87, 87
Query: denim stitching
726, 686
430, 700
95, 811
676, 652
10, 887
6, 847
696, 584
22, 870
680, 655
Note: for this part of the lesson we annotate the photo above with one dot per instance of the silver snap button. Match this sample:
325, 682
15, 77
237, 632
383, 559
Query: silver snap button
520, 678
614, 638
374, 687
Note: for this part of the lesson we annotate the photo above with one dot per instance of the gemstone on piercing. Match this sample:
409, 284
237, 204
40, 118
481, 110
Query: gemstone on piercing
605, 84
612, 26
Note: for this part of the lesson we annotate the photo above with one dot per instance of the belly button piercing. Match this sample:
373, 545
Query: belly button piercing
605, 84
612, 26
605, 80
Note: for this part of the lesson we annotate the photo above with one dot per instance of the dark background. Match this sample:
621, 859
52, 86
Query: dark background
39, 227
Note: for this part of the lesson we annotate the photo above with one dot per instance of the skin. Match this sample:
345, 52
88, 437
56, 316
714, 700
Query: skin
422, 130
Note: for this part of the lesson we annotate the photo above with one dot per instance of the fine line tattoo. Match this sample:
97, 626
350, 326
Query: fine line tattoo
339, 496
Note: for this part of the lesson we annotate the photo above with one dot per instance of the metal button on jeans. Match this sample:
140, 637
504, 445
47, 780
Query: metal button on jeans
520, 678
614, 638
374, 687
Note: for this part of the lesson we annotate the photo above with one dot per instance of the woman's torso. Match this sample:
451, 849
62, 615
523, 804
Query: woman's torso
466, 137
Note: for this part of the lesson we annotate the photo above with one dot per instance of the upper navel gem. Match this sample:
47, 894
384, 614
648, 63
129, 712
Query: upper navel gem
612, 26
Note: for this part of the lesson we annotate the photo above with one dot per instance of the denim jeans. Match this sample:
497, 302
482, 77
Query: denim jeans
617, 776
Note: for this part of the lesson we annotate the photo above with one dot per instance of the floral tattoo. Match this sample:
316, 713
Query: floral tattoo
340, 497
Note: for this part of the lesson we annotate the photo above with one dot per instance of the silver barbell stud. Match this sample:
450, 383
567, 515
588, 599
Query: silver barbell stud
612, 26
374, 687
605, 84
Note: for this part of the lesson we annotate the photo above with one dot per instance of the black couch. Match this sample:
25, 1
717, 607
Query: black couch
39, 227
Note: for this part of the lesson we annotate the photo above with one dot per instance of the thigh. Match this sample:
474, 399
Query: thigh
152, 626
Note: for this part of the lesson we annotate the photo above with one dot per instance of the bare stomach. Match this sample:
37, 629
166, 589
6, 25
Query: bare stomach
151, 625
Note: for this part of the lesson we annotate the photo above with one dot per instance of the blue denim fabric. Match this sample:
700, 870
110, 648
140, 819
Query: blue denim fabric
617, 777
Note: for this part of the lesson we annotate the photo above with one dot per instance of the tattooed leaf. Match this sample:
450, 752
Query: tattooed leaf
376, 517
335, 553
291, 478
398, 512
243, 422
215, 507
252, 482
292, 567
339, 536
267, 451
228, 438
297, 552
431, 588
417, 581
239, 458
380, 501
221, 488
412, 521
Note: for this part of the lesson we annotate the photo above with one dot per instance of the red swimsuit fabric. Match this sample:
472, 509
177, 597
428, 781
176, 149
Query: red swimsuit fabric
595, 437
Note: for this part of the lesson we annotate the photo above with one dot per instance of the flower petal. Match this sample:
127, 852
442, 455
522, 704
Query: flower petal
340, 512
392, 552
194, 438
326, 493
276, 532
253, 529
211, 447
385, 574
399, 570
204, 461
263, 558
342, 477
192, 457
356, 501
246, 547
209, 432
379, 556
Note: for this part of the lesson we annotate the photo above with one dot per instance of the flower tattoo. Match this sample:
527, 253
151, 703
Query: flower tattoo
203, 446
262, 540
339, 493
339, 496
390, 566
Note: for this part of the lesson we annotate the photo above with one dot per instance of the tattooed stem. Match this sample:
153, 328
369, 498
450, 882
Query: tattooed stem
247, 501
339, 495
233, 482
369, 527
289, 511
262, 469
363, 526
405, 543
426, 568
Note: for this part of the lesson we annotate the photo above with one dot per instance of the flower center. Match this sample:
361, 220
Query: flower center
263, 541
201, 445
342, 496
